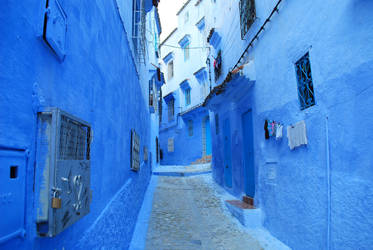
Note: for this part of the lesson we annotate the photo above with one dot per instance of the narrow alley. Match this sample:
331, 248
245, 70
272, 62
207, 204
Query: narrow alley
188, 212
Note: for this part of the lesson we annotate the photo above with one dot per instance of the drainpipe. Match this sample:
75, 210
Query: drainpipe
328, 183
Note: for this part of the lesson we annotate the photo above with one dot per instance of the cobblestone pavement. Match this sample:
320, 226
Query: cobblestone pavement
187, 214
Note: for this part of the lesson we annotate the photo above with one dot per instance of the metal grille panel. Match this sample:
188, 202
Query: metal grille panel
74, 138
305, 84
247, 15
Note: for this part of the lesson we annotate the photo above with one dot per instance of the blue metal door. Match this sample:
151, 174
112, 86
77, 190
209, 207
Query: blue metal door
248, 145
208, 136
12, 193
227, 153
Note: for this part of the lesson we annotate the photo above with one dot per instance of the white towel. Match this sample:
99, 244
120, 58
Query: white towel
297, 135
278, 131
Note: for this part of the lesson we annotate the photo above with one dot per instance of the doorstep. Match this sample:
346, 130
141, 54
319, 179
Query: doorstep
248, 215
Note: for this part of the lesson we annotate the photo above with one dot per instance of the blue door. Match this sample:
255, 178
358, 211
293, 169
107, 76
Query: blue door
248, 144
208, 136
227, 153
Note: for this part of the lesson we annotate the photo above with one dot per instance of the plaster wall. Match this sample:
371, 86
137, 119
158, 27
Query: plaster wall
97, 82
311, 199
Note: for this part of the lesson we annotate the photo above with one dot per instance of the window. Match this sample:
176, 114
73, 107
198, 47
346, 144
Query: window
190, 127
217, 123
186, 17
170, 70
186, 52
247, 15
135, 151
171, 110
151, 93
305, 84
187, 97
170, 145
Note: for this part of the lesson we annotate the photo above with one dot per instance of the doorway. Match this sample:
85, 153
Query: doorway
227, 153
248, 149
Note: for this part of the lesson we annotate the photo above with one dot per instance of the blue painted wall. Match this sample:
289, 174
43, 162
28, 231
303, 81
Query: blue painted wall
292, 186
187, 149
98, 82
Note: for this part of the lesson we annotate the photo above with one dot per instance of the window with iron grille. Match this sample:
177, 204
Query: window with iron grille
305, 84
190, 127
247, 15
74, 140
171, 109
217, 123
135, 151
138, 29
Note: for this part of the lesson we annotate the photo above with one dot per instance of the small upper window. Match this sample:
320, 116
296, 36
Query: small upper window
247, 15
190, 127
186, 17
187, 97
186, 52
305, 83
170, 70
171, 110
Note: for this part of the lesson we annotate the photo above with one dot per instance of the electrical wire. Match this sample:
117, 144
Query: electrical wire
178, 47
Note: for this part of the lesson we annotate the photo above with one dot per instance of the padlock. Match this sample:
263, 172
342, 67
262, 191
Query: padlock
56, 202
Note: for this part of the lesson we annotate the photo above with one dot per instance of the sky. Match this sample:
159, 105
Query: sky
167, 13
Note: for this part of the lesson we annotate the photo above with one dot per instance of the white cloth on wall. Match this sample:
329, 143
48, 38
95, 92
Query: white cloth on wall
297, 135
279, 131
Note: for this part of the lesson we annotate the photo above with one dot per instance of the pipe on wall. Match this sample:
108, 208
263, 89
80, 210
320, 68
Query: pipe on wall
328, 182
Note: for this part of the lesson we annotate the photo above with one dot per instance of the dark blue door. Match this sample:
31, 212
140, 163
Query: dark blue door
227, 153
248, 144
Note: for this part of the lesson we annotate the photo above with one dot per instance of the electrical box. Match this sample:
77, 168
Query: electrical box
12, 193
63, 171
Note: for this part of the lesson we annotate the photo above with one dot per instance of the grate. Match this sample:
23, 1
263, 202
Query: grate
74, 140
305, 84
247, 15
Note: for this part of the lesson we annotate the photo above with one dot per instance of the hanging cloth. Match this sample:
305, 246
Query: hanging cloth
266, 135
279, 128
297, 135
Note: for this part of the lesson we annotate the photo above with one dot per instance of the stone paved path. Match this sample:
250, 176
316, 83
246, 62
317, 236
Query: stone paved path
187, 214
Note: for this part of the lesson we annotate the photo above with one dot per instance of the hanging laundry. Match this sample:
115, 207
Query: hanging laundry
297, 135
266, 135
279, 128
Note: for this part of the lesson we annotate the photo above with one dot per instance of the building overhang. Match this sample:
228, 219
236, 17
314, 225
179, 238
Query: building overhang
214, 38
235, 86
168, 58
184, 85
201, 24
184, 41
169, 97
201, 75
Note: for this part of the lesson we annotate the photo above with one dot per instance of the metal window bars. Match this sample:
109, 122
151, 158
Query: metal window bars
247, 15
305, 84
139, 30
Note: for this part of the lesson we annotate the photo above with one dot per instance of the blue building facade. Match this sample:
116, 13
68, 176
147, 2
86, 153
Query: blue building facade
289, 110
89, 62
185, 136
